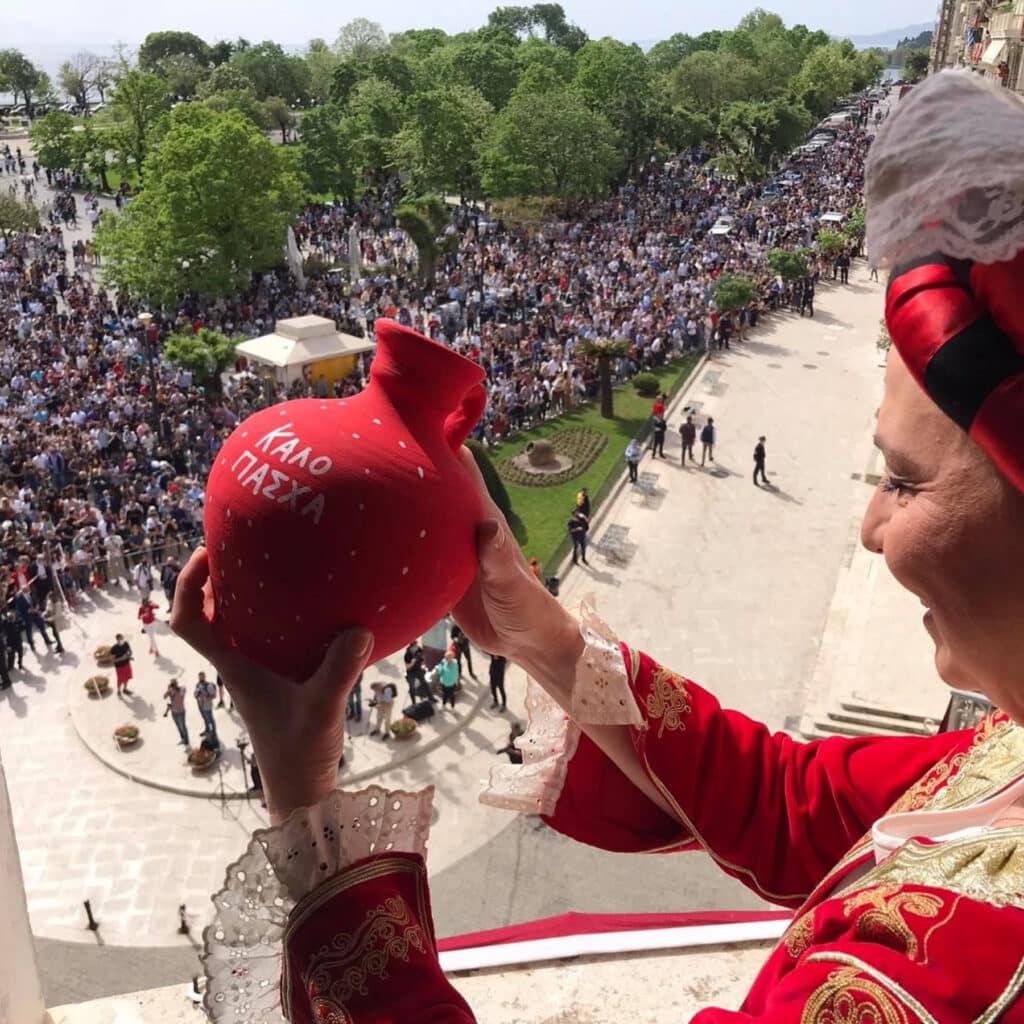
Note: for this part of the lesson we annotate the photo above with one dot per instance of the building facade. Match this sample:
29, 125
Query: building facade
983, 35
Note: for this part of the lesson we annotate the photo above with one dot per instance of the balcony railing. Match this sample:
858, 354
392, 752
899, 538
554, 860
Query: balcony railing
1007, 26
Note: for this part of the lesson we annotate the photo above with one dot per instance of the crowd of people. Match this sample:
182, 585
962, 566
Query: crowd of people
99, 482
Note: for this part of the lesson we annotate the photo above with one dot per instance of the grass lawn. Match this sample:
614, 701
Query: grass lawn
540, 514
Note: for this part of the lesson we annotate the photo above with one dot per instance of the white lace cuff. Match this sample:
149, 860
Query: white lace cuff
601, 695
244, 945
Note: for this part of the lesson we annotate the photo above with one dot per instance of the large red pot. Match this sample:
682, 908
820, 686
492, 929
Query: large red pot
328, 513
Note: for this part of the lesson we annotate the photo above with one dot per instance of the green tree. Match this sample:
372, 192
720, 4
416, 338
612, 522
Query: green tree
139, 100
440, 144
321, 61
789, 264
53, 140
224, 78
20, 76
423, 221
549, 19
75, 77
734, 291
417, 44
376, 111
91, 147
665, 55
103, 76
683, 128
486, 65
17, 217
159, 49
707, 80
242, 100
550, 143
274, 72
538, 53
826, 75
616, 81
206, 354
604, 350
278, 115
326, 148
183, 75
915, 64
831, 243
360, 39
218, 198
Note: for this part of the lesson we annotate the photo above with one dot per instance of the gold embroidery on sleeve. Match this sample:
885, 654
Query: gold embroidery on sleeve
885, 919
338, 971
889, 1003
798, 935
668, 701
846, 998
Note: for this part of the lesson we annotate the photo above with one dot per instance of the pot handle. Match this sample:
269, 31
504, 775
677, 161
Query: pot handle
459, 424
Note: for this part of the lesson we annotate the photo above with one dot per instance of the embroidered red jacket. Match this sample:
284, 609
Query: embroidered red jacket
935, 933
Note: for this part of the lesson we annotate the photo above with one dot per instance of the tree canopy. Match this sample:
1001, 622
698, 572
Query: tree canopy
218, 198
525, 107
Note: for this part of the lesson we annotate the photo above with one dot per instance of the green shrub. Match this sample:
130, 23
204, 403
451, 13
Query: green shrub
646, 384
495, 487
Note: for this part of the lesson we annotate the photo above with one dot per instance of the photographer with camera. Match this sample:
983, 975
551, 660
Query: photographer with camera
175, 697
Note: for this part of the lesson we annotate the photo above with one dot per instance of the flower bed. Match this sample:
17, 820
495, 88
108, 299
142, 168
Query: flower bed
126, 736
97, 686
201, 759
581, 444
403, 728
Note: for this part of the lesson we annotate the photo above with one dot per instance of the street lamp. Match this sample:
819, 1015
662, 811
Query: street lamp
154, 411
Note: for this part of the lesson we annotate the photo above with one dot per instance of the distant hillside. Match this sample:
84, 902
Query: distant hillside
889, 40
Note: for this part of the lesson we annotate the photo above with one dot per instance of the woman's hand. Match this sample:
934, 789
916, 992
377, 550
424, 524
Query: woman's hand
297, 730
507, 610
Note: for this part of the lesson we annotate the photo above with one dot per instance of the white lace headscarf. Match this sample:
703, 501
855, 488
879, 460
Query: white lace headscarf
946, 173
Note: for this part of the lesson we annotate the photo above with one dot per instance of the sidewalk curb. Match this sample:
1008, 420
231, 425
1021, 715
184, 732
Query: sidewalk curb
418, 750
602, 512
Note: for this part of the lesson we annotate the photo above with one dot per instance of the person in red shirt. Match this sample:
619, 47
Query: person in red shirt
658, 409
147, 616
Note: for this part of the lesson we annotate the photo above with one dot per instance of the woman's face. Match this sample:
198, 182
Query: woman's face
951, 529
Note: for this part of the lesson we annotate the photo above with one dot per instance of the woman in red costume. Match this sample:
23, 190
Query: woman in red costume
903, 858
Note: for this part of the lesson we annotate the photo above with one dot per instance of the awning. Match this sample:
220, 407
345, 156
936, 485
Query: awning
994, 52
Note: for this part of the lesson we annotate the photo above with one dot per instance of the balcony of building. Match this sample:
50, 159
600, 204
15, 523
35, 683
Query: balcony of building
1006, 25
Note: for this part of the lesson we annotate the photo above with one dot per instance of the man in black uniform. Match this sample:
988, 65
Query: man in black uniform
415, 673
759, 457
13, 641
497, 680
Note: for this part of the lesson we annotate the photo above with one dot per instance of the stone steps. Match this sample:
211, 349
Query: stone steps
858, 717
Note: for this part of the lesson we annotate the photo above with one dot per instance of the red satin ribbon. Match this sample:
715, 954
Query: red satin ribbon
927, 305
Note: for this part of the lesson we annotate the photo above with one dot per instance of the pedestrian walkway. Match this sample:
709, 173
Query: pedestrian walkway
730, 583
138, 833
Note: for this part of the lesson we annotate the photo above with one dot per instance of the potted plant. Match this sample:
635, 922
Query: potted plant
104, 659
200, 759
403, 728
126, 736
97, 686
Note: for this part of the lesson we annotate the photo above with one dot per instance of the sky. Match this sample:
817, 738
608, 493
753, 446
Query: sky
59, 27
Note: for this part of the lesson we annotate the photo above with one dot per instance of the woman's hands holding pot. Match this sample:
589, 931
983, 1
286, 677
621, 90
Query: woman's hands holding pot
507, 610
297, 730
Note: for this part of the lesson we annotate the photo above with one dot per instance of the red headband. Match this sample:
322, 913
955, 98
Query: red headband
958, 328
